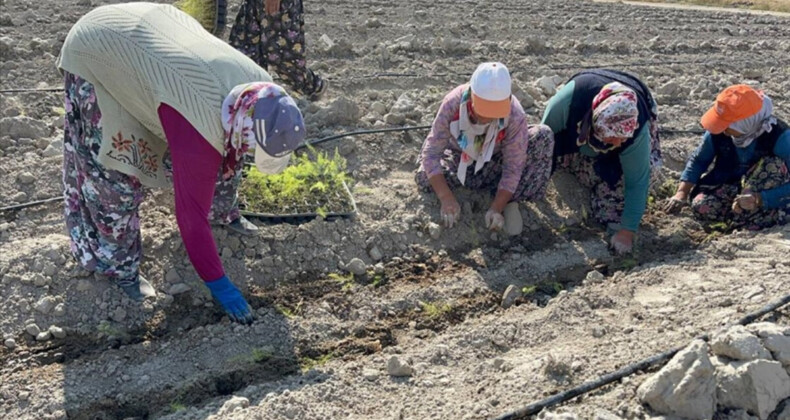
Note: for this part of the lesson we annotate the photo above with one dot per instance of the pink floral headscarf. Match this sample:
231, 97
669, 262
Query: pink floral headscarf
237, 120
614, 114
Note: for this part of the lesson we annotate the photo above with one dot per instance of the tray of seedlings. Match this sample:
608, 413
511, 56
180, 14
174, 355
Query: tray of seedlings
314, 185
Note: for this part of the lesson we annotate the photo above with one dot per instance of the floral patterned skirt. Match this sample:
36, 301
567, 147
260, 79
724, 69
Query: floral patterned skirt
101, 205
276, 41
714, 203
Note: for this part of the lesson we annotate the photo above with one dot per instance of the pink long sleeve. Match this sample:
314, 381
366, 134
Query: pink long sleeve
195, 169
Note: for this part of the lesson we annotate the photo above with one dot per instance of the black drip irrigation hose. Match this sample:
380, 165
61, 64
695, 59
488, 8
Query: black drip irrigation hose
31, 204
459, 74
25, 90
629, 370
357, 133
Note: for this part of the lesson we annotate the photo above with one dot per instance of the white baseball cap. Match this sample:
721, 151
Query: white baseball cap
491, 90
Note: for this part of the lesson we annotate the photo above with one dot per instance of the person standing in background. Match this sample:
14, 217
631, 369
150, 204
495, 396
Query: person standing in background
271, 33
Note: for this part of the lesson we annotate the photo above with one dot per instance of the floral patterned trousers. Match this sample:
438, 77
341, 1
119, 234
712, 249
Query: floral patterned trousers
714, 203
606, 201
101, 205
276, 40
534, 179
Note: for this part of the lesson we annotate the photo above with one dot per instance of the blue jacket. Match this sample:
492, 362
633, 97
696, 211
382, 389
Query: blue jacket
747, 157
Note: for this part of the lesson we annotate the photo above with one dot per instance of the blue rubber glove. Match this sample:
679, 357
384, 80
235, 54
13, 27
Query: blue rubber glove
231, 299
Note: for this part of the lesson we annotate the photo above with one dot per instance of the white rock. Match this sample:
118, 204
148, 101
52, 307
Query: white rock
379, 108
739, 344
373, 23
670, 89
548, 84
766, 329
45, 304
779, 345
60, 310
10, 343
557, 416
234, 404
594, 276
375, 254
57, 332
524, 98
370, 374
511, 294
26, 178
434, 230
178, 289
43, 336
685, 387
119, 314
357, 266
33, 329
756, 386
39, 280
23, 127
328, 43
397, 368
404, 105
51, 151
394, 118
172, 276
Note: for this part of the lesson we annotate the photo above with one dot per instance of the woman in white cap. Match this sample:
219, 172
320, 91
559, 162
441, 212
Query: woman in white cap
606, 134
154, 100
748, 148
480, 139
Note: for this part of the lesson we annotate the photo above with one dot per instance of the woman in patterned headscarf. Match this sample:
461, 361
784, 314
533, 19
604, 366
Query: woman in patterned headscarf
480, 140
606, 134
748, 184
182, 116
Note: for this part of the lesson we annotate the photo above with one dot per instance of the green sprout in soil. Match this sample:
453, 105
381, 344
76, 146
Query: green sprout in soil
664, 191
288, 312
667, 189
626, 264
435, 309
309, 185
551, 288
256, 355
721, 227
175, 407
110, 331
557, 286
309, 363
378, 279
260, 355
346, 281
